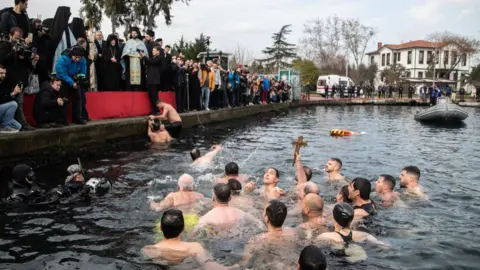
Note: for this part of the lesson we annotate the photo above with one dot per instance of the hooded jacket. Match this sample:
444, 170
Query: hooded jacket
20, 189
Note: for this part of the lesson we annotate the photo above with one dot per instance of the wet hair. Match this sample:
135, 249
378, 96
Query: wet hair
195, 153
172, 223
308, 172
364, 186
413, 170
309, 188
222, 193
276, 212
235, 185
13, 30
231, 168
312, 258
344, 192
388, 180
276, 171
156, 125
338, 161
343, 214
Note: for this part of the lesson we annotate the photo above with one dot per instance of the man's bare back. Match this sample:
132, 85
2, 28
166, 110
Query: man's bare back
242, 178
160, 137
170, 114
224, 218
177, 199
241, 202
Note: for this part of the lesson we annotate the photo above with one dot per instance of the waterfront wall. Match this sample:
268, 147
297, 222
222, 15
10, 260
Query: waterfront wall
71, 138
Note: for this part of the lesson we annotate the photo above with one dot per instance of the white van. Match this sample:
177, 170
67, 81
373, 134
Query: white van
332, 80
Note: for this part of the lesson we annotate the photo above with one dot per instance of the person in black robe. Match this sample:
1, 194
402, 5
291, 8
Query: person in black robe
166, 82
149, 41
62, 36
112, 80
99, 62
194, 89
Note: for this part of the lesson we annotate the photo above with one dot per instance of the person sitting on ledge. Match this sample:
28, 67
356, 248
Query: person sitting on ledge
207, 158
174, 126
157, 132
49, 109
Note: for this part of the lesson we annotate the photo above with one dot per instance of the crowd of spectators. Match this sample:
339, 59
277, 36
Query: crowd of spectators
59, 65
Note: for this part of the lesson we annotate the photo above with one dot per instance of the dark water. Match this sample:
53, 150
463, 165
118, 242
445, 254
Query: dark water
440, 233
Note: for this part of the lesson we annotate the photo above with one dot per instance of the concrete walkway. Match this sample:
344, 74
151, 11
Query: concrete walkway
68, 139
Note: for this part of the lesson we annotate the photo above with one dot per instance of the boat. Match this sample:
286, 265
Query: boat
445, 111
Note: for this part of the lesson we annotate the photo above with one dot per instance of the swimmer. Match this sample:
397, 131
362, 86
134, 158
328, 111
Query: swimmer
308, 188
184, 196
274, 216
157, 132
332, 168
174, 126
359, 192
239, 200
223, 217
303, 174
270, 189
172, 249
409, 178
384, 188
313, 210
232, 171
312, 258
343, 215
342, 195
198, 159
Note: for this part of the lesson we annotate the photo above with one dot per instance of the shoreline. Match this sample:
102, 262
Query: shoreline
72, 138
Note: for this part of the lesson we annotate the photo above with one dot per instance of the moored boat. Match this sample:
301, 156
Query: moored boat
444, 111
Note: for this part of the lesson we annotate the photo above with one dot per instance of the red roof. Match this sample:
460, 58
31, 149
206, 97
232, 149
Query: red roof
411, 44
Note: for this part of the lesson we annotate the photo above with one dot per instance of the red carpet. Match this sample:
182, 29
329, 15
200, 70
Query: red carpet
108, 105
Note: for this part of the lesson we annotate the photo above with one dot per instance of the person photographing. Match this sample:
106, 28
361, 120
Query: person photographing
154, 68
49, 109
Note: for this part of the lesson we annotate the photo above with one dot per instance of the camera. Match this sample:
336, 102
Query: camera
82, 81
66, 101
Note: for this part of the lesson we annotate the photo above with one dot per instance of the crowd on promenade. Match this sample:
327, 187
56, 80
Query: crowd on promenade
60, 61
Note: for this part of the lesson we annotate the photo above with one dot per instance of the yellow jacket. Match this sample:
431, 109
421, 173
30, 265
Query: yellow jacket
211, 79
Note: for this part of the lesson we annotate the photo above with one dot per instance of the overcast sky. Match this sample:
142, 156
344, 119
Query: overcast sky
250, 23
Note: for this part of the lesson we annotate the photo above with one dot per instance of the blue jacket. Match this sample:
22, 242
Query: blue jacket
234, 80
67, 69
266, 84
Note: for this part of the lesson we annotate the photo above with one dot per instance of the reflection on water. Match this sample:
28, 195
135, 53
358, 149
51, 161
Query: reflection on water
109, 232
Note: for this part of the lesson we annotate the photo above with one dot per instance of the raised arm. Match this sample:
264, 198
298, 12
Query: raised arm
301, 176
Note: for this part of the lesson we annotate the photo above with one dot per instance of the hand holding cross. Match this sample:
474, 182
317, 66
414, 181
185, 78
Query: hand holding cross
299, 142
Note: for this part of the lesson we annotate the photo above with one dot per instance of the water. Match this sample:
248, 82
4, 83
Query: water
108, 233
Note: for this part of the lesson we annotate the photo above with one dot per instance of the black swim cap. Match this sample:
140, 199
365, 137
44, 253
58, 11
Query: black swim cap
343, 214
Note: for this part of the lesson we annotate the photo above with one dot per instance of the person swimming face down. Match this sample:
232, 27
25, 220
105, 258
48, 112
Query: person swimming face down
410, 176
271, 176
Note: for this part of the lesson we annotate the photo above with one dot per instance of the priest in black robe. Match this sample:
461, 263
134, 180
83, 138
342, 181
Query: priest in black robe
112, 79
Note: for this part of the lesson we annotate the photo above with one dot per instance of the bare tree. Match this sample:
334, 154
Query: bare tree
460, 47
356, 37
243, 55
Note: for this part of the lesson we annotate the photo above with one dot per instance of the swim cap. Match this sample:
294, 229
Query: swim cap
23, 171
343, 214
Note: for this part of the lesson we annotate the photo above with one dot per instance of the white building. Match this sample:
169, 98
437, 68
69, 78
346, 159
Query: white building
416, 56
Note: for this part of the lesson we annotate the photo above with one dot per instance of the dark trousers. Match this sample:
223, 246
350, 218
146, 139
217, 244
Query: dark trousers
400, 94
180, 94
237, 97
84, 105
410, 94
153, 95
76, 97
53, 115
194, 99
231, 97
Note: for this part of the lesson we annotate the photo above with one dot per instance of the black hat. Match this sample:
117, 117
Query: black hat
78, 51
150, 33
158, 40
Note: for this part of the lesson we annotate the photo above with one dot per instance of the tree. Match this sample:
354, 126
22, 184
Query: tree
281, 50
459, 47
117, 11
474, 76
191, 49
91, 13
181, 46
148, 10
243, 55
356, 37
309, 72
257, 67
390, 75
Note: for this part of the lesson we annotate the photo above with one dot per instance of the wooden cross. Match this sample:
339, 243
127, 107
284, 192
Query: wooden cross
299, 142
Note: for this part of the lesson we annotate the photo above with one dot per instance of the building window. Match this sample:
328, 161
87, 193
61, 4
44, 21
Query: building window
398, 57
383, 59
464, 60
420, 74
420, 57
409, 58
394, 58
454, 58
372, 60
409, 74
445, 57
436, 57
388, 59
429, 57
